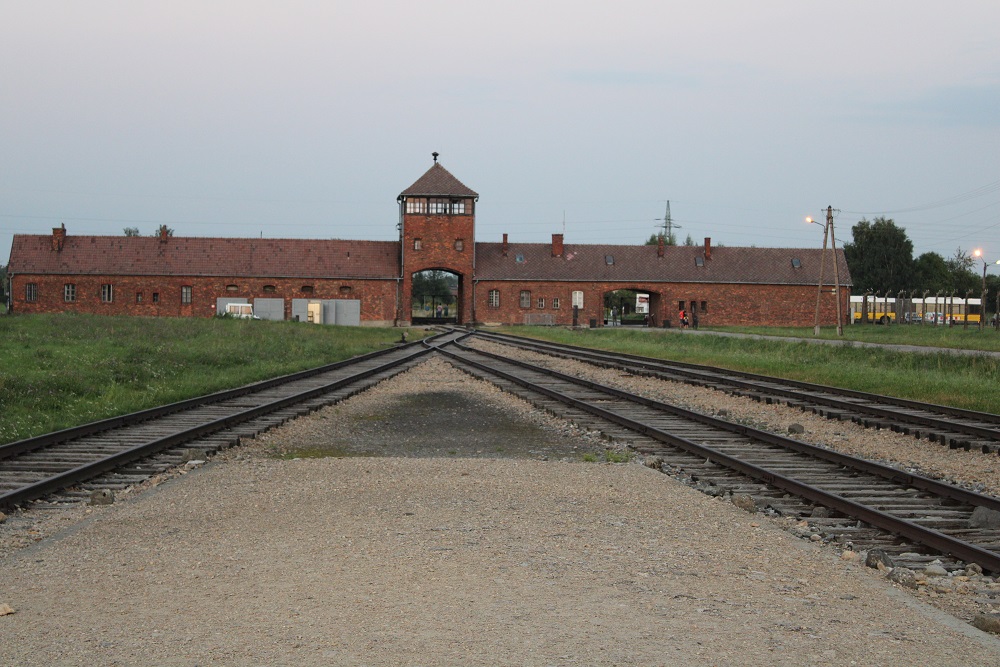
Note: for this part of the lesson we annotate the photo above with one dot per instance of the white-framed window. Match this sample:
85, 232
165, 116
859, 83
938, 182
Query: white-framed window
458, 206
437, 206
31, 292
417, 244
578, 299
186, 294
525, 299
107, 293
541, 302
138, 297
69, 292
460, 244
494, 298
418, 205
555, 303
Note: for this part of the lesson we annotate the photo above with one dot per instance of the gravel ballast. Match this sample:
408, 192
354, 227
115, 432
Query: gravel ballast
451, 553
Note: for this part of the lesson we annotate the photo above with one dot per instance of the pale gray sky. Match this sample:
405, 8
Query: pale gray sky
306, 119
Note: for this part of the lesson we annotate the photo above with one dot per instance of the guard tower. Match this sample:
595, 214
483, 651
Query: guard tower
437, 232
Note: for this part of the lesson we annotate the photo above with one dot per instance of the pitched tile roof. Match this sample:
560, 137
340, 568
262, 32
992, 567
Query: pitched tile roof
191, 256
438, 182
762, 266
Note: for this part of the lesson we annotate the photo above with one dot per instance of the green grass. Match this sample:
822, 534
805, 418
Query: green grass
924, 335
59, 371
969, 382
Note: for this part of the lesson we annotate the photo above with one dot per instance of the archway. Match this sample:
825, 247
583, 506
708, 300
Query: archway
436, 297
632, 306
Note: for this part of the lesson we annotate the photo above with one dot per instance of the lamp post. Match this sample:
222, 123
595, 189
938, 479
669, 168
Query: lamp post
828, 232
978, 252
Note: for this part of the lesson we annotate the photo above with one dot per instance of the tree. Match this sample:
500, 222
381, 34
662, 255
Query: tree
963, 277
931, 272
433, 284
131, 231
880, 256
163, 229
654, 239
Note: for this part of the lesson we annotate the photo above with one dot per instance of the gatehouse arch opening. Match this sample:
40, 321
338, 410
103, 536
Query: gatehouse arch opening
632, 307
436, 297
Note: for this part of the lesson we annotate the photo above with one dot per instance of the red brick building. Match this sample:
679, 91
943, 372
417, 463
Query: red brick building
370, 282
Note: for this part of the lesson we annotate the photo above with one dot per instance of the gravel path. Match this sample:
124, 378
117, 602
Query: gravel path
449, 553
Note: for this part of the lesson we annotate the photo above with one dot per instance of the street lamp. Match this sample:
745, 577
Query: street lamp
978, 252
828, 232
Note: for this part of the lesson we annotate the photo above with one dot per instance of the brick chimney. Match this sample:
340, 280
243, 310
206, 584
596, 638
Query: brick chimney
660, 246
163, 233
504, 245
59, 237
557, 245
708, 248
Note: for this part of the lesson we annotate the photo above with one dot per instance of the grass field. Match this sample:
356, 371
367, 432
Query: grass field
969, 382
970, 338
58, 371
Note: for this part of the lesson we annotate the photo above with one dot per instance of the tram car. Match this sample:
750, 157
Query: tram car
937, 310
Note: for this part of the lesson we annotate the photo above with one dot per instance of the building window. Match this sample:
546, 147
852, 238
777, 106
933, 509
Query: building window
460, 244
138, 297
458, 206
699, 261
69, 292
494, 300
519, 258
680, 305
232, 288
541, 302
186, 294
107, 293
416, 205
307, 289
704, 306
270, 289
578, 299
31, 292
609, 260
525, 299
417, 244
437, 206
555, 303
156, 297
345, 289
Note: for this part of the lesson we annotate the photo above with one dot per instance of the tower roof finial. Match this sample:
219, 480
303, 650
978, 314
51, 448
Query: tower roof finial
435, 156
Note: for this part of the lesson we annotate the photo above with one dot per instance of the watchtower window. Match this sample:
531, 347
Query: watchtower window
459, 245
458, 206
418, 205
417, 244
437, 206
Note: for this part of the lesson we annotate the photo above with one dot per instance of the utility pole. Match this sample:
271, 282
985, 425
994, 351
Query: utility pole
828, 234
668, 227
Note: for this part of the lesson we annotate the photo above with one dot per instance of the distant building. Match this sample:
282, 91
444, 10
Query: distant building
369, 282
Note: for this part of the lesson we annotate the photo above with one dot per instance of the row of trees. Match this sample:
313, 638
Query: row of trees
880, 258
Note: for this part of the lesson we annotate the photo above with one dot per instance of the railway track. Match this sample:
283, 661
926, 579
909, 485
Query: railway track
944, 425
913, 518
106, 456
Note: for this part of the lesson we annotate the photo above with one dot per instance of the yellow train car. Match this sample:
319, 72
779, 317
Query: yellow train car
936, 310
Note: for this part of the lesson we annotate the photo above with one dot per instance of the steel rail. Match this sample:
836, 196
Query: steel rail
989, 560
716, 375
99, 466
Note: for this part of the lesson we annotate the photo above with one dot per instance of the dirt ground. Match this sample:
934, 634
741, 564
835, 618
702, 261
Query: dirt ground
444, 551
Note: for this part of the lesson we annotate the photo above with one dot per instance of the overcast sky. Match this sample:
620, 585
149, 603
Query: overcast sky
307, 119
